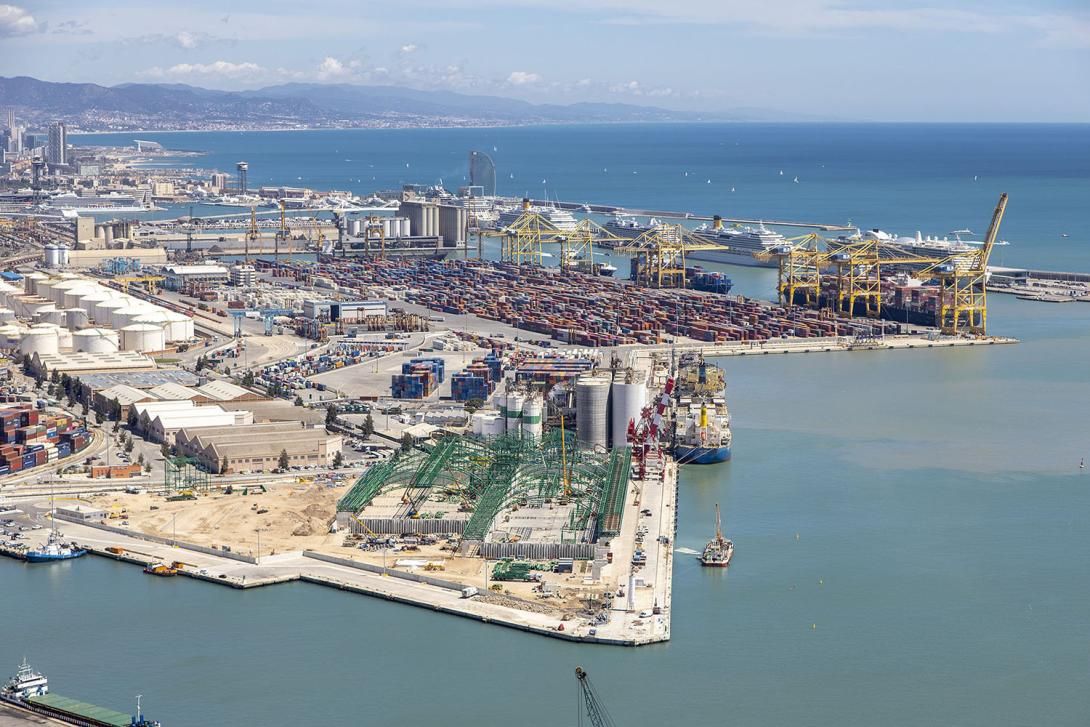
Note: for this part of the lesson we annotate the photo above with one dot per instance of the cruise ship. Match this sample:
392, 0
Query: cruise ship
112, 202
741, 244
627, 226
701, 419
560, 218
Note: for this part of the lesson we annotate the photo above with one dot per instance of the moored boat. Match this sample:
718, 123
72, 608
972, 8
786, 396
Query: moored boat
718, 552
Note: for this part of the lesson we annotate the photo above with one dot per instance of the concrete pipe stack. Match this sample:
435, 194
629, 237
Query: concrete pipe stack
629, 398
592, 410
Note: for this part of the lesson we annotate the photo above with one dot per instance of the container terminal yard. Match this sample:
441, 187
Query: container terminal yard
391, 415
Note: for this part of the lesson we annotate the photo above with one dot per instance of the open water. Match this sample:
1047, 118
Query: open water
911, 527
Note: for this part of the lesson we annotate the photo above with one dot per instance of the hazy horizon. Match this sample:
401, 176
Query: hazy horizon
874, 60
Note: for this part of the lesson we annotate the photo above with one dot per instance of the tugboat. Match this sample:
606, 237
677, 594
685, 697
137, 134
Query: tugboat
160, 569
54, 549
718, 552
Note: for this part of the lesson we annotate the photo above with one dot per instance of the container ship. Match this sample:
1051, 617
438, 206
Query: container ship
701, 419
29, 690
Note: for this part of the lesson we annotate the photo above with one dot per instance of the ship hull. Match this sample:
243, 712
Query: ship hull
731, 257
714, 563
701, 455
43, 558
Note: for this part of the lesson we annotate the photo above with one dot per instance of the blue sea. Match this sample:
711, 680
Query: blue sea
910, 527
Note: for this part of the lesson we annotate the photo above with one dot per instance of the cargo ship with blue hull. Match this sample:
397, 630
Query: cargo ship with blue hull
702, 432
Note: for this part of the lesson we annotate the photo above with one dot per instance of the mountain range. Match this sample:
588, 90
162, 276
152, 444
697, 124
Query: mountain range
143, 106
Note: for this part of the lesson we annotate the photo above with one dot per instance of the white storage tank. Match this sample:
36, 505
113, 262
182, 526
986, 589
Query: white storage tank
122, 317
76, 318
50, 315
74, 295
6, 314
142, 337
179, 326
532, 412
10, 336
56, 256
493, 425
58, 289
31, 280
44, 288
93, 298
95, 340
39, 340
476, 422
592, 410
406, 229
512, 410
103, 314
629, 398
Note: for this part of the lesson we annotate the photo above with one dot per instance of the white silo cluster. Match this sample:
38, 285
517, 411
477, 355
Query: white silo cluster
592, 415
628, 400
488, 424
74, 313
56, 255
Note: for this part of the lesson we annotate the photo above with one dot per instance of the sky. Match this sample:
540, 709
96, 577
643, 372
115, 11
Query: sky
881, 60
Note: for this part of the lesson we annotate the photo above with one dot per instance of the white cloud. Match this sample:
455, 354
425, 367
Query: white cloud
408, 48
522, 78
186, 39
332, 69
222, 69
16, 21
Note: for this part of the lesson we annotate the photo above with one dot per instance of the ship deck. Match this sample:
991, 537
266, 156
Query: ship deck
95, 715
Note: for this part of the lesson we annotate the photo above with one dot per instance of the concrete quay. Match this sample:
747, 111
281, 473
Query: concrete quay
625, 628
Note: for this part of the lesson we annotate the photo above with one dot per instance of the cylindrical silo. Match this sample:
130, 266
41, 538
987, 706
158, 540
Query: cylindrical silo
476, 422
31, 280
493, 425
142, 337
531, 416
11, 336
44, 287
75, 294
90, 300
512, 411
49, 315
122, 317
59, 288
629, 398
76, 318
592, 410
39, 340
104, 310
179, 326
95, 340
387, 230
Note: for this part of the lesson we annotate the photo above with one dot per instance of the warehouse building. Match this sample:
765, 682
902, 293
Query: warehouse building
159, 421
120, 395
257, 447
82, 363
347, 311
177, 277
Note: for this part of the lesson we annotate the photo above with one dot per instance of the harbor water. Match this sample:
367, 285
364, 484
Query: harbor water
909, 525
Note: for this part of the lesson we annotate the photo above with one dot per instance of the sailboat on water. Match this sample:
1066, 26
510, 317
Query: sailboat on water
718, 552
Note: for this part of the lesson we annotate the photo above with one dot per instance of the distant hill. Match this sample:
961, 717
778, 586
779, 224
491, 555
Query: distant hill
148, 106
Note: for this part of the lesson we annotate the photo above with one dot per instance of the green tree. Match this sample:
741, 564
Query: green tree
330, 415
147, 466
223, 465
368, 426
99, 419
298, 401
84, 409
248, 378
283, 463
164, 450
140, 459
473, 405
338, 460
406, 442
128, 445
54, 377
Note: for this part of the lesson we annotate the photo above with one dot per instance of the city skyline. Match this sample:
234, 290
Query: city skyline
879, 61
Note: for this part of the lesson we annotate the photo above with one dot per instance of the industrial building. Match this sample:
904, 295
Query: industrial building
123, 396
243, 276
347, 311
257, 447
179, 277
159, 421
79, 364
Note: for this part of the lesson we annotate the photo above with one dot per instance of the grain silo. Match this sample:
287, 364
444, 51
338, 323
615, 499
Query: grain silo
629, 398
531, 416
592, 410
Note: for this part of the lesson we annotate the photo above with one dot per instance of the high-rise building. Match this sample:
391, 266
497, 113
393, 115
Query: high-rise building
482, 172
56, 152
219, 181
11, 119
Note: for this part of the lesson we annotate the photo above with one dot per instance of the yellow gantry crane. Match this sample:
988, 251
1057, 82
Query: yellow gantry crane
525, 241
801, 260
660, 254
963, 295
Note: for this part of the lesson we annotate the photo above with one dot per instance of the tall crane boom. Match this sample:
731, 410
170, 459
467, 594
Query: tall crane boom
596, 713
993, 232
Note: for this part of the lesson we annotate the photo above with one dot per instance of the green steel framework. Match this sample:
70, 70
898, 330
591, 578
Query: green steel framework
184, 473
487, 476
